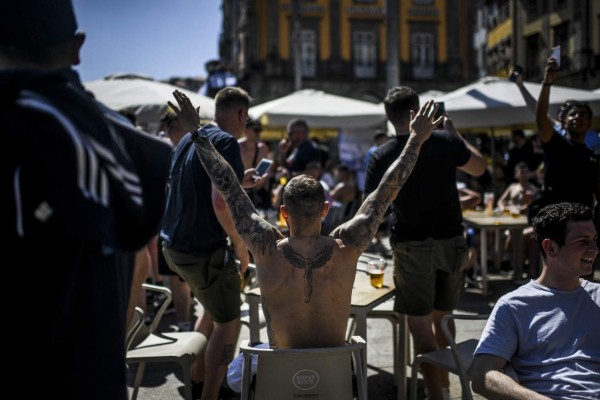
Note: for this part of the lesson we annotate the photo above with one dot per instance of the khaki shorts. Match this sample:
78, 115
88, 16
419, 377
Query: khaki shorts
213, 278
429, 275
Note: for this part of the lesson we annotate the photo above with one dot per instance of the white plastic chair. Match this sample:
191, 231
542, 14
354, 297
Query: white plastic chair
456, 358
319, 373
144, 345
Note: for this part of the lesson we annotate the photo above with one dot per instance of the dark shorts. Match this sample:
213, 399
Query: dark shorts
213, 278
163, 267
429, 275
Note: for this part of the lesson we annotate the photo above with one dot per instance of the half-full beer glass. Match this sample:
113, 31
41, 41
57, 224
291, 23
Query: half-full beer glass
375, 269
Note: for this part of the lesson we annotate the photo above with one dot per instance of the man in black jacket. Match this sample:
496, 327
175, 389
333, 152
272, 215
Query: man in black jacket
81, 191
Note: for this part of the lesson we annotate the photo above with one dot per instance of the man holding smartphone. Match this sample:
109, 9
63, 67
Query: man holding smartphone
253, 150
430, 251
572, 170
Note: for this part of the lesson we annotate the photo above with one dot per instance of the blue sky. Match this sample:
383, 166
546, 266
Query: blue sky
159, 38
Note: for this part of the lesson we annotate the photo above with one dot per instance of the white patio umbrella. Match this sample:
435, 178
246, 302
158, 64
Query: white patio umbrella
147, 99
493, 102
320, 110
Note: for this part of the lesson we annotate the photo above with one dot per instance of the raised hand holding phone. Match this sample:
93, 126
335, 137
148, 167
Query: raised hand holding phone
556, 55
515, 72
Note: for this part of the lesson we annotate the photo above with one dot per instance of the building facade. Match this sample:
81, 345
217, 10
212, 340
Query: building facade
353, 48
523, 32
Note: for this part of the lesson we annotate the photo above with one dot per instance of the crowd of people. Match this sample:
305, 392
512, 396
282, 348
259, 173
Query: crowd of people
92, 202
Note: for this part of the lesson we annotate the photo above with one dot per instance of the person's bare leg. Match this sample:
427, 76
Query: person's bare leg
219, 353
205, 326
181, 299
441, 340
137, 295
421, 328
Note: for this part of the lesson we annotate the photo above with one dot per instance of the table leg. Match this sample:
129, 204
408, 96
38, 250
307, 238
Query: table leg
402, 352
253, 302
498, 249
517, 258
484, 258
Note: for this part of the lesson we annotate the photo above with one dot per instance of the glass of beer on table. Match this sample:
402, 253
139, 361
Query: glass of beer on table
375, 268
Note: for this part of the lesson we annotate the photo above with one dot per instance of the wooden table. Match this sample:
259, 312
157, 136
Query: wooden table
498, 223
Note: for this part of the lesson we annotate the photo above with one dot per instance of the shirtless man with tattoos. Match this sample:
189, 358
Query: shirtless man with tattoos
306, 279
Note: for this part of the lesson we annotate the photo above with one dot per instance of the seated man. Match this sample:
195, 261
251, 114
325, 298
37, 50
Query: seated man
547, 329
306, 279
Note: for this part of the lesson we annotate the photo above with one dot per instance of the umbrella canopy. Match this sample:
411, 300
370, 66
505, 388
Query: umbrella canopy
320, 110
493, 102
147, 99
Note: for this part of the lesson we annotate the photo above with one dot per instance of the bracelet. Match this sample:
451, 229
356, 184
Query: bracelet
546, 84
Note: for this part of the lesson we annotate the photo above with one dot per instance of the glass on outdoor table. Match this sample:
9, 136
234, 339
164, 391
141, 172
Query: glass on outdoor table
376, 269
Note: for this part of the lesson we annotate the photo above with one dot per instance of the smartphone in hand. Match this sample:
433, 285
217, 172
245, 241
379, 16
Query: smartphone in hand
516, 71
556, 55
263, 166
441, 109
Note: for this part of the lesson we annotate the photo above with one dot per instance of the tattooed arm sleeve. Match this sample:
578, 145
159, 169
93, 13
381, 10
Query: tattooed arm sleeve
258, 235
360, 230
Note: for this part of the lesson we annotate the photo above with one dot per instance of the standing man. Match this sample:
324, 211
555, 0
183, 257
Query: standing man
430, 251
547, 330
82, 191
195, 230
298, 150
571, 169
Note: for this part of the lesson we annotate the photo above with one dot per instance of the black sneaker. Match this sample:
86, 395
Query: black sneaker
197, 390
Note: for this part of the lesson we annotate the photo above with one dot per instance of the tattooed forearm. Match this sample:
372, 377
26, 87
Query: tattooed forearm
299, 261
360, 233
257, 233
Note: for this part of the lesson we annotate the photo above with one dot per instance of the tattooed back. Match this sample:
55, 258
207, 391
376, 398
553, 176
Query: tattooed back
306, 288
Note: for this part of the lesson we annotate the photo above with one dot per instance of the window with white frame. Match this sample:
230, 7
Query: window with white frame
422, 55
364, 45
308, 46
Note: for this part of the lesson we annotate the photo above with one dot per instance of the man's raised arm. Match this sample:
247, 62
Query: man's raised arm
360, 230
258, 235
544, 124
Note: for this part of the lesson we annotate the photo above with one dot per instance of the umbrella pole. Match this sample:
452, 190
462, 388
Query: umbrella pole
493, 155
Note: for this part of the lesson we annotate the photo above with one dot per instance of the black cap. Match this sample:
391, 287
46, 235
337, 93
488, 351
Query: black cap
36, 22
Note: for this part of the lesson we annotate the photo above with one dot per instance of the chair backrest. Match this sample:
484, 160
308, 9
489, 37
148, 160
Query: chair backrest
136, 322
462, 352
316, 373
167, 297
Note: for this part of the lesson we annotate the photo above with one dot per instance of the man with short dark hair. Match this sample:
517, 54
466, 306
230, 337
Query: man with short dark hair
571, 169
430, 251
545, 332
298, 150
82, 191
